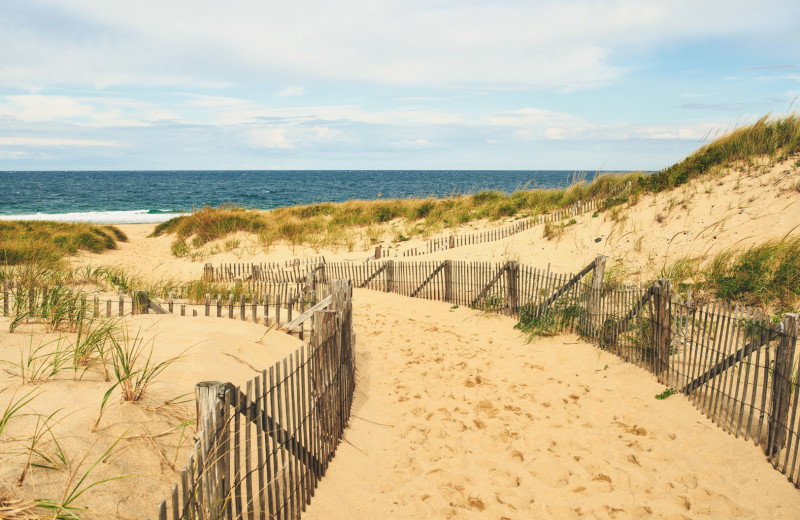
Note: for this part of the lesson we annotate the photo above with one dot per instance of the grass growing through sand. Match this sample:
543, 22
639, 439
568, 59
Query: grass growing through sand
332, 224
46, 243
765, 275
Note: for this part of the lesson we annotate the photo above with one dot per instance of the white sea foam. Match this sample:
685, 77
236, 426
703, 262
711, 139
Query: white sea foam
99, 217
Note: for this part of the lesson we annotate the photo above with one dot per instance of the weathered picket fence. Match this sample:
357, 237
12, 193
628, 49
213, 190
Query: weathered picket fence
47, 304
262, 450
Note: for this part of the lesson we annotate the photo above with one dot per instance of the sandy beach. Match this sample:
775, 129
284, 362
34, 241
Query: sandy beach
455, 415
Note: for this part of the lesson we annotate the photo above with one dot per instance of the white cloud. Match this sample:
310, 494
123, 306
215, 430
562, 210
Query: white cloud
517, 44
291, 91
52, 141
270, 138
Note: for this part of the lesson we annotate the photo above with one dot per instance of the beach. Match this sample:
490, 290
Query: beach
456, 414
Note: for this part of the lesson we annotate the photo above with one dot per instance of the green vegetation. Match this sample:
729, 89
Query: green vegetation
46, 243
765, 275
551, 321
762, 275
332, 225
774, 139
666, 393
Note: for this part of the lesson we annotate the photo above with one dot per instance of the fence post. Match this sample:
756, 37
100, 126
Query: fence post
452, 243
512, 276
208, 272
377, 252
210, 395
342, 292
596, 296
782, 387
448, 280
664, 328
390, 276
140, 303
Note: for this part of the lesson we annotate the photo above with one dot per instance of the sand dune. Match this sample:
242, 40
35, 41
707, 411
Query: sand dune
457, 417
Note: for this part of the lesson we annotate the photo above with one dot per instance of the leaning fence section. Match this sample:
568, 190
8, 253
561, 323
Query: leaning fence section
736, 364
263, 449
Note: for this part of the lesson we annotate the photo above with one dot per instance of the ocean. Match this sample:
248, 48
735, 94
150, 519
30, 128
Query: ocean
122, 197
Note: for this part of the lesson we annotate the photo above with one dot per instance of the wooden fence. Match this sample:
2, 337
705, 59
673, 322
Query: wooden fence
737, 365
262, 450
281, 303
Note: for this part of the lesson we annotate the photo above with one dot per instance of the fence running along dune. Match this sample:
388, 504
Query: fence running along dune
738, 366
261, 450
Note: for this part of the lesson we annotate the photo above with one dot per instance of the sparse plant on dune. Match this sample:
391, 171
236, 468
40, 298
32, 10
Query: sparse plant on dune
133, 372
14, 407
65, 507
40, 363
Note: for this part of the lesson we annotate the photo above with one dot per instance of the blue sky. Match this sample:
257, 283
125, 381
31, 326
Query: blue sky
433, 84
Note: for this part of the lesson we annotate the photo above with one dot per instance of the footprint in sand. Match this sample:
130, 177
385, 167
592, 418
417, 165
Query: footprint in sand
604, 482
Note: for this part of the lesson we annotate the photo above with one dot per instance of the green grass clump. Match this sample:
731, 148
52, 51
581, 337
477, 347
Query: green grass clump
766, 274
46, 243
537, 322
773, 138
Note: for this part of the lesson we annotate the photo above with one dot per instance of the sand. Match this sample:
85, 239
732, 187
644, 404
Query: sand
455, 416
155, 444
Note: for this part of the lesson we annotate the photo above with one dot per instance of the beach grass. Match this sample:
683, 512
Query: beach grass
333, 224
773, 139
46, 243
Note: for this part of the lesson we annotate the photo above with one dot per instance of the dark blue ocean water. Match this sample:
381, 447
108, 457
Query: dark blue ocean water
151, 196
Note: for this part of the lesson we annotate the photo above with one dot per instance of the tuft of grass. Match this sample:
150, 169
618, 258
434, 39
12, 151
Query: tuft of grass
551, 321
46, 243
666, 393
775, 139
65, 508
766, 274
132, 376
13, 408
40, 363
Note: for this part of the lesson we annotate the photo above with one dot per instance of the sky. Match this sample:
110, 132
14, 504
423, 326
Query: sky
433, 84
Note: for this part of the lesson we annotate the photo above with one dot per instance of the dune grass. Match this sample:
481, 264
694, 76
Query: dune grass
765, 275
771, 138
46, 243
332, 224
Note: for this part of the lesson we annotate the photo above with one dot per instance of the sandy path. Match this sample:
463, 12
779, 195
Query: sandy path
456, 417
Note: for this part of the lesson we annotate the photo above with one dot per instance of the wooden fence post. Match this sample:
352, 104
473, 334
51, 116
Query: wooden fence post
121, 302
171, 303
210, 400
512, 277
208, 272
448, 280
596, 296
342, 292
452, 243
208, 304
782, 387
377, 252
390, 276
141, 302
663, 341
